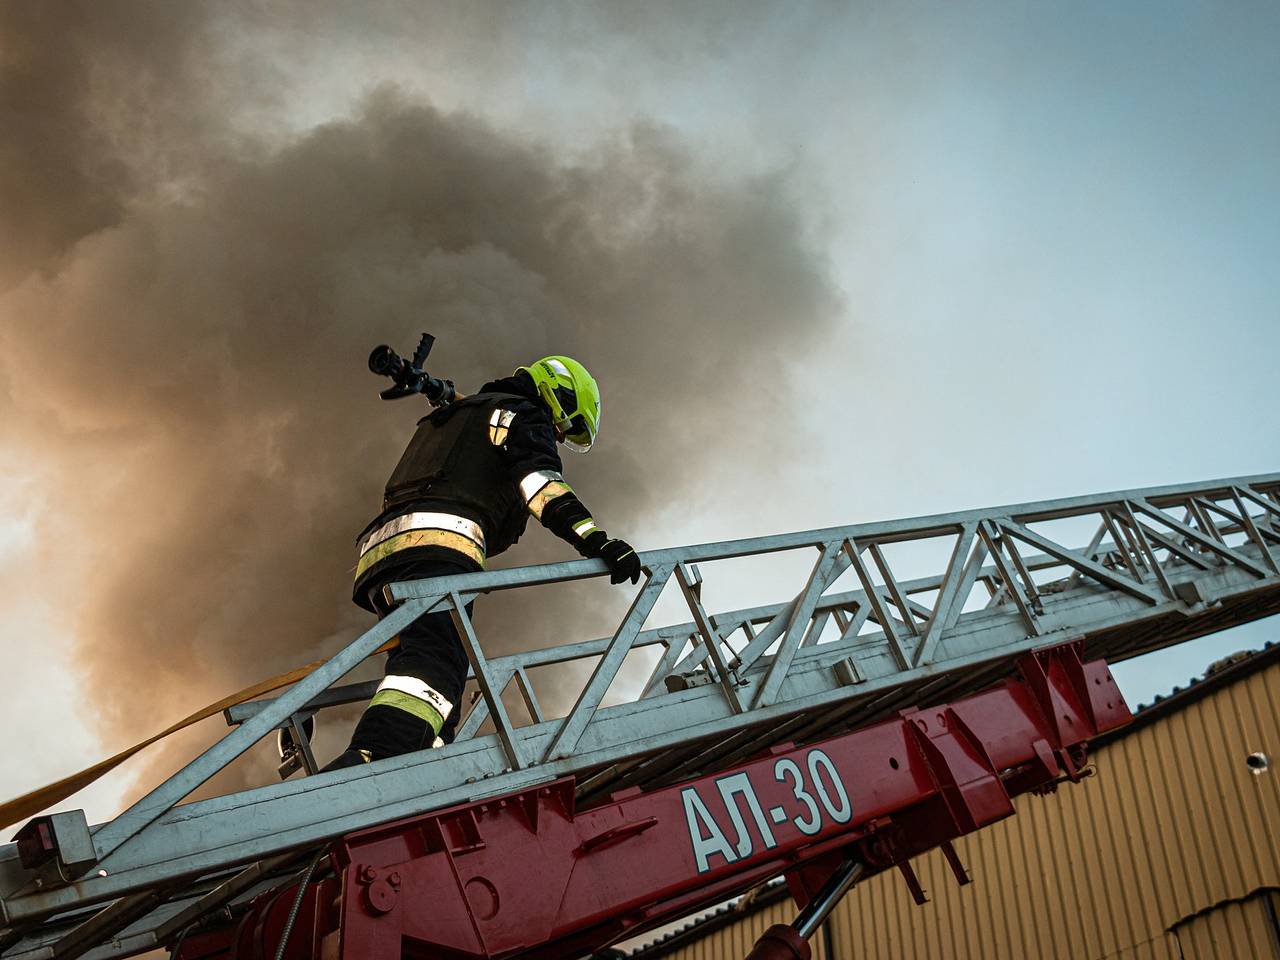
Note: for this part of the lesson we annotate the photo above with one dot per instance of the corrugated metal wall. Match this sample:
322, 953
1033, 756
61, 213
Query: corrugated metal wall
1173, 824
1247, 928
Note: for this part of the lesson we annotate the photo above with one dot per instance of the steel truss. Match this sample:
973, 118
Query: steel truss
1163, 565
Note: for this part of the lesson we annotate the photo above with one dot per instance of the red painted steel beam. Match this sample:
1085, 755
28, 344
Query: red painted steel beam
528, 876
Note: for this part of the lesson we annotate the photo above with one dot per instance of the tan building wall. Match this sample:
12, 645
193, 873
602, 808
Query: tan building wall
1238, 928
1172, 852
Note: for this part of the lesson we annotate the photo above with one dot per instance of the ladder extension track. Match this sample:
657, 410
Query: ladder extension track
1163, 565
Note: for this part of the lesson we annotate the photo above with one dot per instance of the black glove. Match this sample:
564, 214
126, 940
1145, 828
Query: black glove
623, 562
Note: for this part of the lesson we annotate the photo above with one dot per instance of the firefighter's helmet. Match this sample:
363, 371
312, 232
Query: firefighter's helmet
573, 397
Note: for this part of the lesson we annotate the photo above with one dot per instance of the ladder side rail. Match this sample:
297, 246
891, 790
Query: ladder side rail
937, 525
854, 679
292, 814
333, 697
159, 801
179, 852
971, 574
157, 804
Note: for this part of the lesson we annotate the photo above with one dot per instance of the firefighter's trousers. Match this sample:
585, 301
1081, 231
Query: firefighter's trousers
423, 674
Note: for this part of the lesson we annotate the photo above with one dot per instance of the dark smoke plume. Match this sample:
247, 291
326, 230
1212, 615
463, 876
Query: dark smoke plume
186, 310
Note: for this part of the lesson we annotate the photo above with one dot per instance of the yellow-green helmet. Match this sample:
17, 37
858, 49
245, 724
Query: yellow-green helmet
573, 396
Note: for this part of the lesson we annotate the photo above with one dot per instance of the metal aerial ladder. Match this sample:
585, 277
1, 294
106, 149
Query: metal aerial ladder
871, 717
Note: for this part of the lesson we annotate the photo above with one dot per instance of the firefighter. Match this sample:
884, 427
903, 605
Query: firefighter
462, 492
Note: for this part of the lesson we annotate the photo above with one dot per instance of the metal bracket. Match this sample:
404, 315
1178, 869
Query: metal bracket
293, 744
63, 838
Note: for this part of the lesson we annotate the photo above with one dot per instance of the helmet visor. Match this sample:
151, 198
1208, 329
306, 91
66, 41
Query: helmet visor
579, 435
